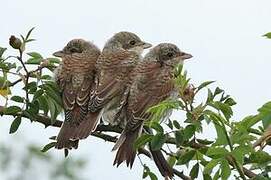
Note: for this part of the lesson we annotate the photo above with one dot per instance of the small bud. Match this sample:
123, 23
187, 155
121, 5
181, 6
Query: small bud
14, 42
189, 93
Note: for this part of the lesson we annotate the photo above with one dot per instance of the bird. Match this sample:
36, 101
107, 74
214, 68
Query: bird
152, 83
119, 56
75, 77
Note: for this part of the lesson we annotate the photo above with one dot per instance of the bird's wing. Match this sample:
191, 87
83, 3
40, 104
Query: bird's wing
153, 85
114, 70
76, 88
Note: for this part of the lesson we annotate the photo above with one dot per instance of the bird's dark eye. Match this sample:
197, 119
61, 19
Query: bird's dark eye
170, 55
132, 42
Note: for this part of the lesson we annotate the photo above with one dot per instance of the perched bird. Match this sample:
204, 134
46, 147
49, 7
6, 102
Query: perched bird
76, 79
152, 83
120, 55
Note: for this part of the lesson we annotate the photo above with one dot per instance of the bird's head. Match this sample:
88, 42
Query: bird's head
128, 41
168, 54
77, 46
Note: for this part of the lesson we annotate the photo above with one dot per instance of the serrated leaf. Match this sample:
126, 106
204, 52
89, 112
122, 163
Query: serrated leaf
157, 141
17, 99
142, 140
47, 147
194, 171
186, 157
15, 125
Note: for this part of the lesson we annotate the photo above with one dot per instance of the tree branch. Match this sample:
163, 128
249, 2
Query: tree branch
46, 121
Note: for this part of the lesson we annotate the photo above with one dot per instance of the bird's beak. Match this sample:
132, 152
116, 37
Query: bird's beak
146, 45
59, 53
186, 56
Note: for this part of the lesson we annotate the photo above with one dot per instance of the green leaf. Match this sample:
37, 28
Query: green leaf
186, 157
179, 138
35, 55
204, 84
29, 32
15, 125
176, 124
53, 60
224, 108
268, 35
48, 146
217, 152
209, 167
194, 171
52, 109
37, 94
43, 104
207, 177
259, 157
225, 169
17, 99
12, 110
157, 127
189, 131
170, 124
2, 50
142, 140
157, 141
34, 61
152, 176
221, 136
230, 102
205, 141
239, 153
218, 91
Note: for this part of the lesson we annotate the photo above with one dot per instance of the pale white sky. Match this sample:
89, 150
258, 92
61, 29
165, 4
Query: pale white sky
223, 36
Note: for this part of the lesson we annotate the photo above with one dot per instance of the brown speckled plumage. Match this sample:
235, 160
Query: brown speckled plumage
76, 79
152, 83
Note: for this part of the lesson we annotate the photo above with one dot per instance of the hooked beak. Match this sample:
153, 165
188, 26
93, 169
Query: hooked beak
146, 45
59, 53
185, 56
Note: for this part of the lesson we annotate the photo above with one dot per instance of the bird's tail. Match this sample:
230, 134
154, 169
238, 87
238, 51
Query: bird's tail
71, 132
125, 145
63, 138
162, 163
87, 126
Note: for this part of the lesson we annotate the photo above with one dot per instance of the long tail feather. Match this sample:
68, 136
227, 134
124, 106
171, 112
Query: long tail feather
125, 146
63, 138
162, 163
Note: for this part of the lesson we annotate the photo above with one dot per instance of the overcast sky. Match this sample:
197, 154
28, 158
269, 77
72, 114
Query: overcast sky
225, 38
